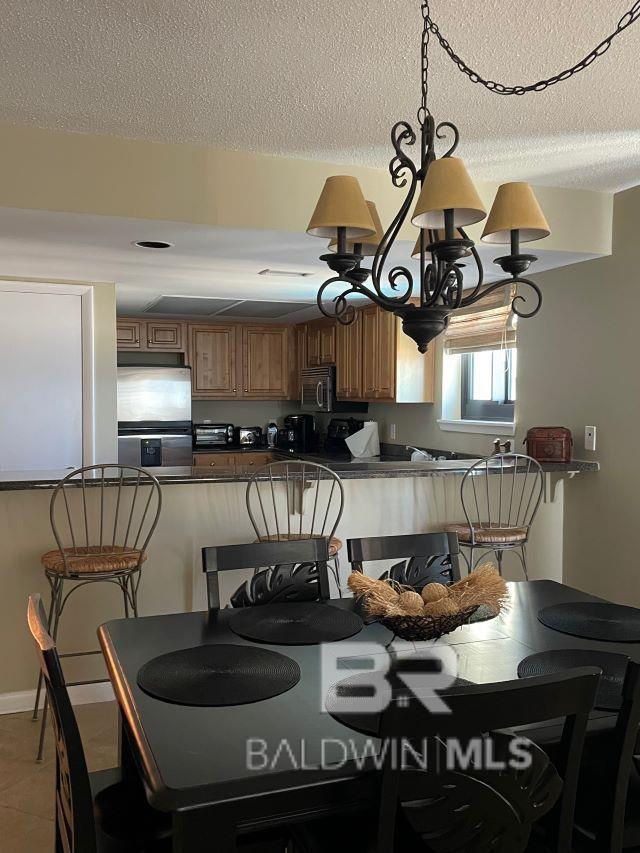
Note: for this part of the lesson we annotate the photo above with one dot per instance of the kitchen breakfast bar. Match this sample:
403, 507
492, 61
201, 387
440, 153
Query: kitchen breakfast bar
207, 506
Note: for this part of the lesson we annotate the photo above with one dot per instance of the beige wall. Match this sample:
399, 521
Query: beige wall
84, 173
579, 365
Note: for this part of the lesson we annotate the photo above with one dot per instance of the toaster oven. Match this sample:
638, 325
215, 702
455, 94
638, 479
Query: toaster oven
212, 435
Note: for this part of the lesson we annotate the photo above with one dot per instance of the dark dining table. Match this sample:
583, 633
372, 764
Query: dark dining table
223, 771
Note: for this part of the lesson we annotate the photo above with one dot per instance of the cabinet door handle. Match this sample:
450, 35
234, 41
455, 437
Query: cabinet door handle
234, 391
212, 464
246, 390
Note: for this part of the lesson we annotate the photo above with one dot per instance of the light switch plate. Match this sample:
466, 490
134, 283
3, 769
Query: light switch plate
392, 432
589, 438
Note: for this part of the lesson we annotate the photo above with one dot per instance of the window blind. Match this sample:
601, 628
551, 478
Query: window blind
491, 327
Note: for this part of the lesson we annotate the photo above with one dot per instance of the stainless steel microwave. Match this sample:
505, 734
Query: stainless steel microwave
318, 392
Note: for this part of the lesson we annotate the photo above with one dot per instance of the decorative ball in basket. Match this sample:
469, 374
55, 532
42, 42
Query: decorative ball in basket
437, 610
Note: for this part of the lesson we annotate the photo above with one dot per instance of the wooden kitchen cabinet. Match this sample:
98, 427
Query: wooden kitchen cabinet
167, 336
300, 361
392, 369
238, 462
149, 335
213, 359
312, 344
320, 343
129, 334
214, 460
265, 362
349, 360
328, 344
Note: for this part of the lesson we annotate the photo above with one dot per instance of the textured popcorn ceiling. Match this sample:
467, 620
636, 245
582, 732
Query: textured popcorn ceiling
327, 80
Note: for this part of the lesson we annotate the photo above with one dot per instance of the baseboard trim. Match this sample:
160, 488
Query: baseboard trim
81, 694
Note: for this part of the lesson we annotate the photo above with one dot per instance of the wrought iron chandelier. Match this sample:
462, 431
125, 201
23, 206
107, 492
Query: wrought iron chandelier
447, 202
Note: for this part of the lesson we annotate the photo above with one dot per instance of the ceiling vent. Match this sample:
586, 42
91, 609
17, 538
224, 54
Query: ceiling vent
265, 310
285, 273
189, 306
211, 306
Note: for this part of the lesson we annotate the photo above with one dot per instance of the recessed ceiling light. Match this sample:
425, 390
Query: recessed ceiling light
153, 244
279, 273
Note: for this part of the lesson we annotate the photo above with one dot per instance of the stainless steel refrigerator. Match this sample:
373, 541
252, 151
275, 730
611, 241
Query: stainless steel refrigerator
154, 416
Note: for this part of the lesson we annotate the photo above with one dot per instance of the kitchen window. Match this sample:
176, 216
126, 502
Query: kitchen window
479, 368
488, 386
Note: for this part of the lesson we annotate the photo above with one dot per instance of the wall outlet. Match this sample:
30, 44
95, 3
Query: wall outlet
589, 438
392, 432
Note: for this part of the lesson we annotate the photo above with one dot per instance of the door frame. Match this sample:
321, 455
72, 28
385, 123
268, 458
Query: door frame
85, 291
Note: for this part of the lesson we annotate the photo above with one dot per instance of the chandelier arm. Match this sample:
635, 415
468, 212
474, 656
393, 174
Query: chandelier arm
449, 125
629, 18
509, 282
340, 306
341, 310
453, 270
479, 267
401, 163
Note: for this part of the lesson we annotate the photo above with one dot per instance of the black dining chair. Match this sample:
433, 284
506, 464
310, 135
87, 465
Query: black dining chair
427, 557
293, 570
608, 804
94, 812
466, 806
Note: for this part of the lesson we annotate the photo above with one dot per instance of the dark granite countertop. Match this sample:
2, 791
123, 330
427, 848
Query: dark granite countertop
385, 466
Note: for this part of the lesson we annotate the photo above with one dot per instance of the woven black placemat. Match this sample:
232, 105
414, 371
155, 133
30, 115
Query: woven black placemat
295, 624
613, 666
594, 620
218, 675
369, 724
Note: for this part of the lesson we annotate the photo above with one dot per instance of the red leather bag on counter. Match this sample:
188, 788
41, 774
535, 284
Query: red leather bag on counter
549, 444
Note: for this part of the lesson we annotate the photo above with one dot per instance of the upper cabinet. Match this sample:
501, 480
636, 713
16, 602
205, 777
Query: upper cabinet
242, 362
129, 334
163, 335
349, 360
265, 363
168, 336
320, 343
212, 354
376, 361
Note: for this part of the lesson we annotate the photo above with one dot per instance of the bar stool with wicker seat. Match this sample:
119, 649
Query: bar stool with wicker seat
102, 517
500, 497
297, 500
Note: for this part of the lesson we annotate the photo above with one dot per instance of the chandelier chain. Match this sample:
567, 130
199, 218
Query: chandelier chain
627, 19
424, 112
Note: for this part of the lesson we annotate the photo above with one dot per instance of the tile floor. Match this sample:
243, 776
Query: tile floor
26, 788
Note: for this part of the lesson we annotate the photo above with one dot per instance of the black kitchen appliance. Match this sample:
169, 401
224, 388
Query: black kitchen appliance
338, 430
298, 433
248, 436
206, 436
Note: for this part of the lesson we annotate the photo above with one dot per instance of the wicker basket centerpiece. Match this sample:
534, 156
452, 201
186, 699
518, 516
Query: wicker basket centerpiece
437, 610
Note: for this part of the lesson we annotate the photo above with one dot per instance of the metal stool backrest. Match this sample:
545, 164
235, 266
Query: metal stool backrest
300, 500
502, 491
75, 826
469, 804
280, 580
111, 507
430, 557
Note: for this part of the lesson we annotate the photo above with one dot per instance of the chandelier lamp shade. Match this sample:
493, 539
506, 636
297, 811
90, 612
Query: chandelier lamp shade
442, 201
369, 245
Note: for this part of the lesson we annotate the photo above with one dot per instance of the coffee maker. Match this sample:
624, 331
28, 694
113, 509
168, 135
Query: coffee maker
298, 433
